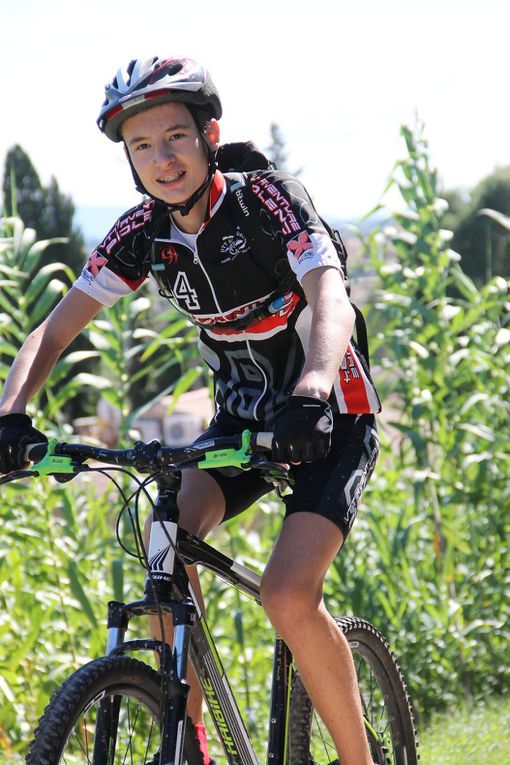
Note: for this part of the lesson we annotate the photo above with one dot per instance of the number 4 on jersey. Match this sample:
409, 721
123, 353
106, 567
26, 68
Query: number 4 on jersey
184, 291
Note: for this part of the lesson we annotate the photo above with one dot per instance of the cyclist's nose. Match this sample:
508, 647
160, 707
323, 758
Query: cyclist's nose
163, 154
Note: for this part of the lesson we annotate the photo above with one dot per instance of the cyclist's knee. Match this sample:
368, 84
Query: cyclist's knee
288, 603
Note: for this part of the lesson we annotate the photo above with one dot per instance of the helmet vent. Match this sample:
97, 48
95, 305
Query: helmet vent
167, 67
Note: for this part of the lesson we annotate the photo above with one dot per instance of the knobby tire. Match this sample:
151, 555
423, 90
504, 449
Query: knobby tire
65, 733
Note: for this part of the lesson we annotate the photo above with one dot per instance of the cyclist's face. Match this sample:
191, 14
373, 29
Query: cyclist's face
167, 151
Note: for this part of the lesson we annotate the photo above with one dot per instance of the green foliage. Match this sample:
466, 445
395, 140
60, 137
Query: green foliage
59, 560
58, 555
142, 363
22, 188
428, 558
29, 291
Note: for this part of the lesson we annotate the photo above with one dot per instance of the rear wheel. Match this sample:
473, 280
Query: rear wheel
385, 702
106, 713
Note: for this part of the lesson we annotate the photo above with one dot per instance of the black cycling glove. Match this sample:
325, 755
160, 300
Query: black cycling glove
16, 432
302, 430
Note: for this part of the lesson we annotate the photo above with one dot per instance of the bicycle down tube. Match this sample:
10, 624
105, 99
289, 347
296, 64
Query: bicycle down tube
211, 674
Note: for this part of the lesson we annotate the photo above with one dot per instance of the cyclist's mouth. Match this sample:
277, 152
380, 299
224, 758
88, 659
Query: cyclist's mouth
172, 179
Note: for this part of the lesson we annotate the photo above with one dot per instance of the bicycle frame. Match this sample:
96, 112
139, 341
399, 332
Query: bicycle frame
193, 638
169, 591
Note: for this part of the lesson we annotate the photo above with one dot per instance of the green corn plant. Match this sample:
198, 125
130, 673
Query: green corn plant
137, 344
28, 293
434, 514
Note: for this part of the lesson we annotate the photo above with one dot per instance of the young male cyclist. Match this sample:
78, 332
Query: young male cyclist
288, 366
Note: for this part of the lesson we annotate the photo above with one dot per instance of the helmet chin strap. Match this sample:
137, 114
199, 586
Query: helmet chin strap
184, 208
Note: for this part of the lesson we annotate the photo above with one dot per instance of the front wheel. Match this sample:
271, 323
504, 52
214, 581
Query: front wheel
106, 713
385, 702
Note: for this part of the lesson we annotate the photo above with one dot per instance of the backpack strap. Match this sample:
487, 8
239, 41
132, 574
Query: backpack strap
361, 334
278, 268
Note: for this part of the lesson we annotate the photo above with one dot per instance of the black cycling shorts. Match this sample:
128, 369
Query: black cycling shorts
331, 486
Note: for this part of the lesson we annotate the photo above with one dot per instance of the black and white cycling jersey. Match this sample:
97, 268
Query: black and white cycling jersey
214, 278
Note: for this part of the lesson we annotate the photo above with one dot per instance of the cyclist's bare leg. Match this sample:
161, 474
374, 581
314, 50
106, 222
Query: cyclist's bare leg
292, 598
202, 507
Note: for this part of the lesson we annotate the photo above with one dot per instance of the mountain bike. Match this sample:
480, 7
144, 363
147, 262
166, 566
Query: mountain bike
118, 709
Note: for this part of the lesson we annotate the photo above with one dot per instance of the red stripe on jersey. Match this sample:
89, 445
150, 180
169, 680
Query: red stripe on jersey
279, 319
216, 190
133, 284
353, 384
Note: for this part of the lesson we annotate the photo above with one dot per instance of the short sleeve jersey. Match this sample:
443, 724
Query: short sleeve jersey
217, 279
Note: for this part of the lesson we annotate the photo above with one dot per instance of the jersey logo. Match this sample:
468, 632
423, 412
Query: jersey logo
233, 245
95, 263
184, 291
300, 245
169, 255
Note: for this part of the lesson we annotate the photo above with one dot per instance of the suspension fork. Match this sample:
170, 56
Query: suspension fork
174, 685
157, 600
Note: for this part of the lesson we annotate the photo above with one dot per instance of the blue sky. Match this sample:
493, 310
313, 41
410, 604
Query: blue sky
339, 78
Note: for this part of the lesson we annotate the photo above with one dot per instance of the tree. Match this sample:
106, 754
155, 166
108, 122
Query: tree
44, 209
22, 188
483, 242
276, 150
458, 207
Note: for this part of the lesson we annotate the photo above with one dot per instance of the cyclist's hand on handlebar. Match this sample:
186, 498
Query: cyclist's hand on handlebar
16, 432
302, 430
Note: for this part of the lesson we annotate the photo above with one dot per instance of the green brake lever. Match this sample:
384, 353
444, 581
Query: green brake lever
54, 463
238, 458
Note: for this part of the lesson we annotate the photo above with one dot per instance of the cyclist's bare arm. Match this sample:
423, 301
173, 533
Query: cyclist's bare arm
332, 324
43, 346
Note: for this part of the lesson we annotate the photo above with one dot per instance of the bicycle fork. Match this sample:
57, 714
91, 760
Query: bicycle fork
158, 601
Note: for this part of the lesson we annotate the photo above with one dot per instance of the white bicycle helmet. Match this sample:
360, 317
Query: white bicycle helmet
148, 82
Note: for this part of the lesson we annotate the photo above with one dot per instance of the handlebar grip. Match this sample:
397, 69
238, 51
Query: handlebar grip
35, 452
264, 440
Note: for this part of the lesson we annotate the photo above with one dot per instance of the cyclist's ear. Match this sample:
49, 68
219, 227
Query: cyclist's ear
212, 134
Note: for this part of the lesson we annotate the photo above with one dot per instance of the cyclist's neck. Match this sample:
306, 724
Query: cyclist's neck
192, 222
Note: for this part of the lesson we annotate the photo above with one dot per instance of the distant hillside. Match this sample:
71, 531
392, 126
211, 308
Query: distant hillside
95, 222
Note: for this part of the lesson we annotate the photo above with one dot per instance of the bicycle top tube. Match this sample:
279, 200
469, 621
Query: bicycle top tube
244, 451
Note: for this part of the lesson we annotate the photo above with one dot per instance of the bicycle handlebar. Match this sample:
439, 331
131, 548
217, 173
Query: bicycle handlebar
226, 451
